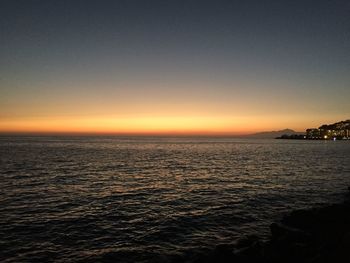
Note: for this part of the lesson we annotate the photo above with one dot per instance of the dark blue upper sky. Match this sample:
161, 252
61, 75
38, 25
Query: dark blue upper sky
240, 29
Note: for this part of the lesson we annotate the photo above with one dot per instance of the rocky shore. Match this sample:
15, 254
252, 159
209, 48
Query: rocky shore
317, 235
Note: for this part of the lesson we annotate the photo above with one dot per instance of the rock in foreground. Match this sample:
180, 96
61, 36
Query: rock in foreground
316, 235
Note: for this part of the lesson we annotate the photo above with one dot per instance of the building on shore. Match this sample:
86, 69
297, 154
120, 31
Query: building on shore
339, 130
313, 133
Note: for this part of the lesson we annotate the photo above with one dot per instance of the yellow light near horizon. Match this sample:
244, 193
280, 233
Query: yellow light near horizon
151, 124
190, 124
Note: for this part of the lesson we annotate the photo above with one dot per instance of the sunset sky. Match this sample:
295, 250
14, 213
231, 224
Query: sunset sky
173, 67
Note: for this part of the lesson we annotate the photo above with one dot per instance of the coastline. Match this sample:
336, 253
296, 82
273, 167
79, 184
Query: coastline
315, 235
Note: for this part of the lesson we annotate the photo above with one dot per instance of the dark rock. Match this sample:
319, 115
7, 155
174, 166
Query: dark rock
222, 253
318, 235
283, 232
246, 241
252, 253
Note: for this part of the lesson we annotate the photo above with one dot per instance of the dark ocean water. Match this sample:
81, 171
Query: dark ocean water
114, 199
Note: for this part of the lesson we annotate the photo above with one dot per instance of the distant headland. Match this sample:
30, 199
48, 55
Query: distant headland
336, 131
274, 134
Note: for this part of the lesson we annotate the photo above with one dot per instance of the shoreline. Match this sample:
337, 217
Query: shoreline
315, 235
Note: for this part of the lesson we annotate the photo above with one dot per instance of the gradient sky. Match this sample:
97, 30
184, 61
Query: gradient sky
187, 67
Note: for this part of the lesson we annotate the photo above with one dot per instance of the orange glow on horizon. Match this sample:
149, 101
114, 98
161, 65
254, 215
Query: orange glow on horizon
141, 125
183, 107
174, 125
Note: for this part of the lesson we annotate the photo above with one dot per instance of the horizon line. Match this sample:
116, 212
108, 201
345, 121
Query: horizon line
136, 134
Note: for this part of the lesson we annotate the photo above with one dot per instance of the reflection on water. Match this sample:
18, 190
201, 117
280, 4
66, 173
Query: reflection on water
101, 199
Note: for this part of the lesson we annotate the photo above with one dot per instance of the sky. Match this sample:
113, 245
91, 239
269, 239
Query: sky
173, 67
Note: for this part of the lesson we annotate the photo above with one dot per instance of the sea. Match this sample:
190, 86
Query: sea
155, 199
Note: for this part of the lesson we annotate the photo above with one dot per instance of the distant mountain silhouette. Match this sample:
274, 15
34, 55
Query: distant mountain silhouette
273, 134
